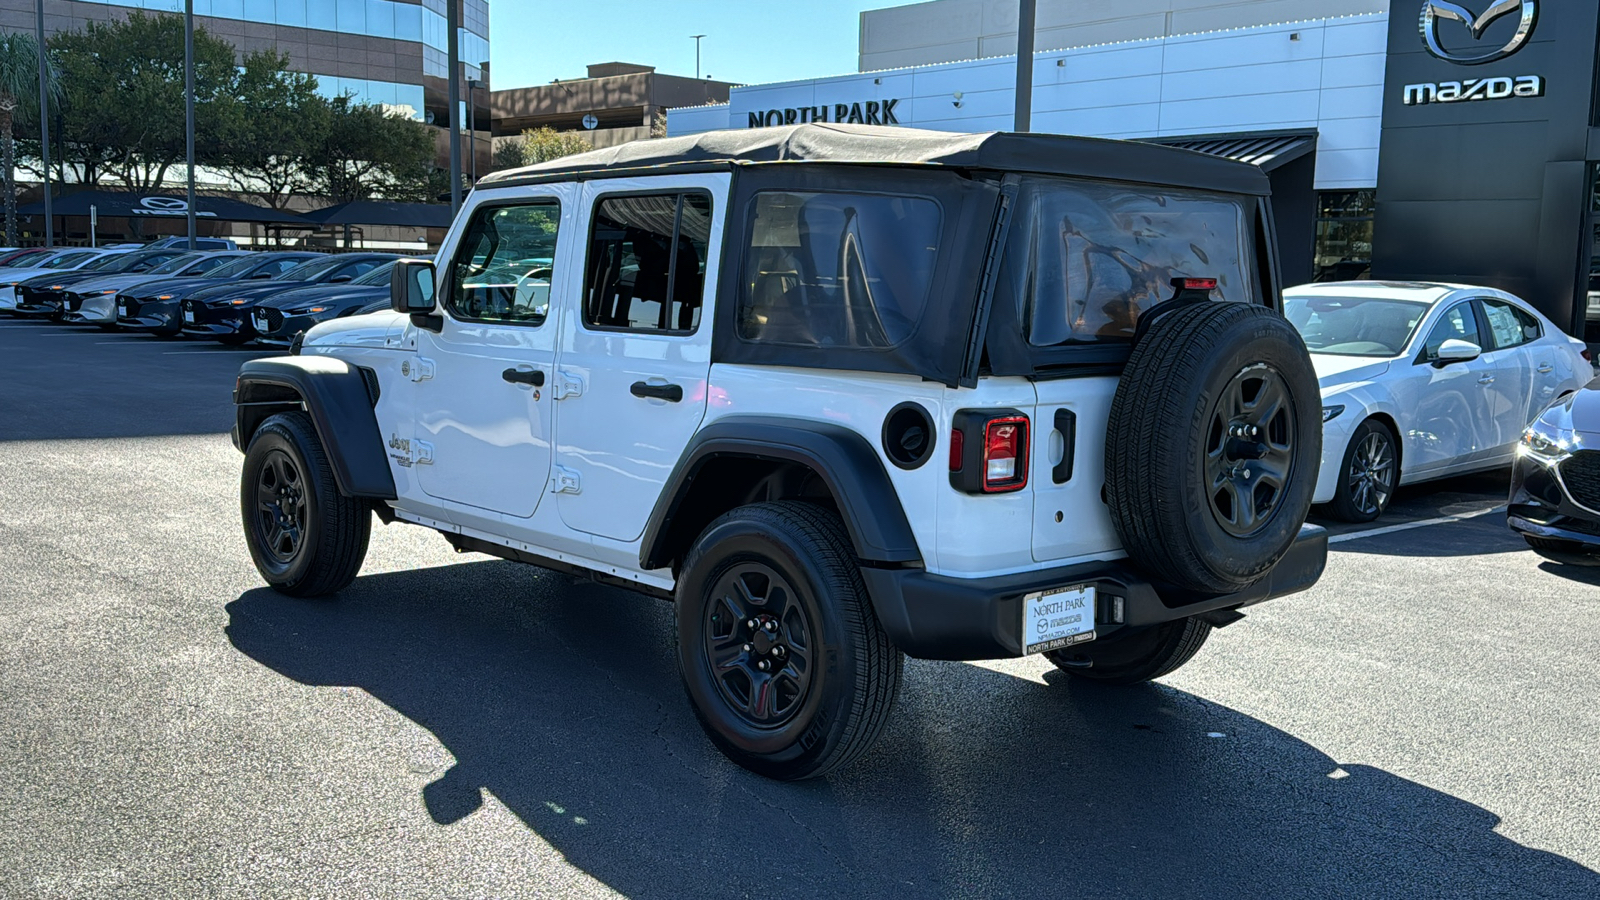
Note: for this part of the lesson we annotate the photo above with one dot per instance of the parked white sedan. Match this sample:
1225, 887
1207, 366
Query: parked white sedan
1421, 381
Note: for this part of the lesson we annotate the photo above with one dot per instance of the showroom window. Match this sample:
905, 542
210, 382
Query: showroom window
1344, 235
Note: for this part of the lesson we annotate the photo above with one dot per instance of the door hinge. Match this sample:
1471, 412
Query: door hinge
418, 369
567, 385
566, 481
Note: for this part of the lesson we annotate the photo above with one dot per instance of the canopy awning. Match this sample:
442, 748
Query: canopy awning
383, 212
1269, 150
129, 204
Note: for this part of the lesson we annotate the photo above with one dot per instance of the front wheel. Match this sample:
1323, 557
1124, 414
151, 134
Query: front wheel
1368, 474
306, 538
1141, 656
782, 657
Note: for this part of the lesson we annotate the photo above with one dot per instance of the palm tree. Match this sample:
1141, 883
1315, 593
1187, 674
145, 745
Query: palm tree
19, 81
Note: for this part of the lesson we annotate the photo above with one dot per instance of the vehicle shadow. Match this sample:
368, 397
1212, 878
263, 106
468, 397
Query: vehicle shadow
562, 701
1582, 569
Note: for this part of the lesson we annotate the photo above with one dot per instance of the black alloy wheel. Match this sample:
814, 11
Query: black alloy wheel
280, 516
1249, 454
306, 538
758, 639
784, 661
1368, 474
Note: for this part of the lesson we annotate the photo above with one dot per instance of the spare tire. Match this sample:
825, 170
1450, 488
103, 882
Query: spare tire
1213, 445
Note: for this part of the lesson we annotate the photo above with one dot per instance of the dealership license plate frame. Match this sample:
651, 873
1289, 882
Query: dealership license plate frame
188, 316
1059, 617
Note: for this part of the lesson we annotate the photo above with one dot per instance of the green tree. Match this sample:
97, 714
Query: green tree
537, 145
273, 129
122, 109
371, 152
19, 92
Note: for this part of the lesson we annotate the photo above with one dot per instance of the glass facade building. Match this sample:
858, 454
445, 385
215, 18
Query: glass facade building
390, 52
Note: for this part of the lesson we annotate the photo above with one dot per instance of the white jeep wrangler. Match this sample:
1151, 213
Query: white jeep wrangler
840, 393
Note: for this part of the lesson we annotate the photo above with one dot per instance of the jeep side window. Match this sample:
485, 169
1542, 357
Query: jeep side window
838, 269
647, 262
503, 268
1459, 324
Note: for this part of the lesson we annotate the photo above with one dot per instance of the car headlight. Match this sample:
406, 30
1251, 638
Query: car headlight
237, 302
55, 287
310, 309
1329, 413
165, 297
1548, 443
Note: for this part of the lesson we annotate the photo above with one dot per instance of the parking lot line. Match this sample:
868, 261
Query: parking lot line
1408, 526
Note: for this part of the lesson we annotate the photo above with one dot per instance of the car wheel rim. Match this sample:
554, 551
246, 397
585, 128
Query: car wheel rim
758, 644
1249, 452
1372, 470
280, 507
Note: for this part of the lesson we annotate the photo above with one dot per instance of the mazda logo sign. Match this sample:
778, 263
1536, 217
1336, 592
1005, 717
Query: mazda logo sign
1433, 11
164, 204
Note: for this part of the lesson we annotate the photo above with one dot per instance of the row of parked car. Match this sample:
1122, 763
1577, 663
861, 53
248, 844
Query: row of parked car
229, 295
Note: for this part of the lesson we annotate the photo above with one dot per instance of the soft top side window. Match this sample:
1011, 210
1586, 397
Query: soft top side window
1094, 255
503, 268
836, 269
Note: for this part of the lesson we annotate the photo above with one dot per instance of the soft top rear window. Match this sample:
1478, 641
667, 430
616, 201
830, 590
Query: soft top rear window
1089, 257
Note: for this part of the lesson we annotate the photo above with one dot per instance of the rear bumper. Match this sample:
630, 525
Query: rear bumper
937, 617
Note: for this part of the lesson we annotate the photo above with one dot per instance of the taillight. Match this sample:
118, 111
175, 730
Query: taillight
989, 451
1005, 454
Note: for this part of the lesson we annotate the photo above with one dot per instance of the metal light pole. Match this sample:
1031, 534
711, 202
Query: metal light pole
472, 124
188, 108
44, 124
454, 24
1026, 15
697, 39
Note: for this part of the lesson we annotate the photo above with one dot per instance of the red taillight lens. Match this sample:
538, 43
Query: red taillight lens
1005, 454
957, 444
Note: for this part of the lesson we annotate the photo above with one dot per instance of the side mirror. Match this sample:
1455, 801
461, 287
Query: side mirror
411, 292
1456, 351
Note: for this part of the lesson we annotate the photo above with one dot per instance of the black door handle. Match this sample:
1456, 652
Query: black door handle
671, 393
518, 376
1067, 424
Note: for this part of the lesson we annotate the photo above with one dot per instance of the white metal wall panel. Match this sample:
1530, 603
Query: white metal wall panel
1324, 75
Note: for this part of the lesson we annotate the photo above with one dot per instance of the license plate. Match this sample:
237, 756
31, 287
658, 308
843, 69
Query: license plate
1057, 618
188, 316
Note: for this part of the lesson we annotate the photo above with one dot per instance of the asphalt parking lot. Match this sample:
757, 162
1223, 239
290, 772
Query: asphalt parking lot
1421, 724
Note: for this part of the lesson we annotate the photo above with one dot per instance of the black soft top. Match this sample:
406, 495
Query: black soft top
1046, 154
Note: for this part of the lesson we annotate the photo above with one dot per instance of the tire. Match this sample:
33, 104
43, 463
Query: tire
1199, 506
1144, 655
314, 545
1369, 473
834, 674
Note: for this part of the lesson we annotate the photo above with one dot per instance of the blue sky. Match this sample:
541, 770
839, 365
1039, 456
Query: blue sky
748, 41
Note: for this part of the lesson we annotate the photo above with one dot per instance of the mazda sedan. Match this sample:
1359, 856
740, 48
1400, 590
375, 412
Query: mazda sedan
1422, 381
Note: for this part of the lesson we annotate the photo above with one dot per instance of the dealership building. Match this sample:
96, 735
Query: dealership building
1409, 139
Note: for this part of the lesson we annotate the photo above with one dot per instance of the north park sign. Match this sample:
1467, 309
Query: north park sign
871, 112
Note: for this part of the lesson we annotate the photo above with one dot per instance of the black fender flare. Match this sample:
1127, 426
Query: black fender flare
339, 398
844, 460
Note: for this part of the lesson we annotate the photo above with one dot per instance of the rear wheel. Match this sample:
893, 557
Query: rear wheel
307, 539
1368, 474
781, 654
1140, 656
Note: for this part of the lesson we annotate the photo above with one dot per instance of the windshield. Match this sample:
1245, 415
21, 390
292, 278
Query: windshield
233, 268
1355, 326
68, 260
103, 264
377, 276
313, 270
176, 264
